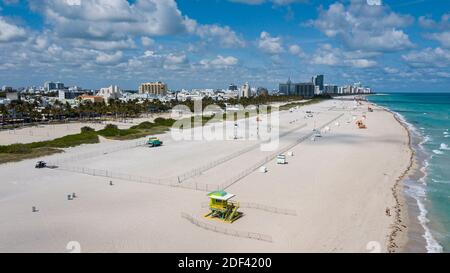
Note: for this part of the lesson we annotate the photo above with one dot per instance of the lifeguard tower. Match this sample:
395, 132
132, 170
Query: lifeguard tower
222, 208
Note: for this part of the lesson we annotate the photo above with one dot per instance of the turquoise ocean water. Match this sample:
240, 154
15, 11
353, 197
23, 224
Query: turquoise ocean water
427, 117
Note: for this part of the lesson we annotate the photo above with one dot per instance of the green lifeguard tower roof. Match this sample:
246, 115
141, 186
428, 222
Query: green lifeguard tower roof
221, 195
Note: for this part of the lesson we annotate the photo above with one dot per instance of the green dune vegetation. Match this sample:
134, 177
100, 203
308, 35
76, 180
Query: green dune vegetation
18, 152
158, 126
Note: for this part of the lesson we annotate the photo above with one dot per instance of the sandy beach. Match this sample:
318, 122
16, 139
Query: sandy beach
339, 193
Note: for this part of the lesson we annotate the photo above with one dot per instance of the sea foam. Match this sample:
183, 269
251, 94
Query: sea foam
444, 147
418, 192
440, 181
432, 245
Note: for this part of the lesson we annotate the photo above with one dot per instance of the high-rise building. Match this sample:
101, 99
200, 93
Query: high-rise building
318, 81
330, 89
7, 88
286, 88
59, 85
153, 88
49, 86
232, 87
246, 90
297, 89
305, 89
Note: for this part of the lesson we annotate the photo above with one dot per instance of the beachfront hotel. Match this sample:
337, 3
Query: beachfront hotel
153, 88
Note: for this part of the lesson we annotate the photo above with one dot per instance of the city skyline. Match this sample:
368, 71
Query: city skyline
389, 46
318, 83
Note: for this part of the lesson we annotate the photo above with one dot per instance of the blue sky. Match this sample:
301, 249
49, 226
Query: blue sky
388, 45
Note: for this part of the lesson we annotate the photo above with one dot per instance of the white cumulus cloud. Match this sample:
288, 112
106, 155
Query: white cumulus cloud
442, 37
269, 44
328, 55
220, 62
222, 36
428, 57
365, 27
109, 59
10, 32
176, 61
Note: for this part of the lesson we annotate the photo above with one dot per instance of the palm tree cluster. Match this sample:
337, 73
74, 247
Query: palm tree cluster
36, 111
26, 112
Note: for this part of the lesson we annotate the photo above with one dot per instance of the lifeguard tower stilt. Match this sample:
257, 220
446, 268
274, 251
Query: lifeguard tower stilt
222, 208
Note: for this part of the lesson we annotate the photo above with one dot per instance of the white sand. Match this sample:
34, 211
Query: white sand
340, 186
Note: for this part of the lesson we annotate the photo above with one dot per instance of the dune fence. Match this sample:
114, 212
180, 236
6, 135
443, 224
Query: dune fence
200, 170
171, 182
230, 181
116, 148
177, 181
228, 231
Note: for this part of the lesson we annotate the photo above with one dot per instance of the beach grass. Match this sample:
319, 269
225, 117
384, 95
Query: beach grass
34, 153
62, 142
158, 126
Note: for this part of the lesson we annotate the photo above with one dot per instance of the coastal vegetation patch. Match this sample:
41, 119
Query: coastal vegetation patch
17, 152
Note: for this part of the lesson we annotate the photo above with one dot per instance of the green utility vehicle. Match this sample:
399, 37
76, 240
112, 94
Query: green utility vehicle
154, 142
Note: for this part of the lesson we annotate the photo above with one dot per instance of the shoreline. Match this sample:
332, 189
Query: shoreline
407, 234
398, 238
